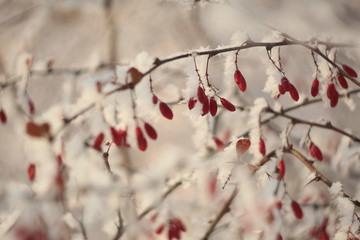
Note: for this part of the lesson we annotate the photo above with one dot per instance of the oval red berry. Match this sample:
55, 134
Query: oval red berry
262, 147
315, 87
141, 141
166, 110
98, 141
296, 210
201, 95
294, 93
281, 167
150, 131
341, 79
349, 71
31, 171
228, 105
191, 103
213, 106
3, 117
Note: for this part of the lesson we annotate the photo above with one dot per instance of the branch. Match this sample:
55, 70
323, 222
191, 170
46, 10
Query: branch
225, 209
325, 126
318, 175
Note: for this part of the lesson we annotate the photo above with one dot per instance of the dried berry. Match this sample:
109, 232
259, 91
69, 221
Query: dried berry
294, 93
349, 71
201, 95
281, 167
341, 79
150, 131
3, 117
213, 106
240, 80
296, 209
262, 147
98, 141
141, 141
166, 110
315, 152
315, 87
191, 103
31, 171
37, 130
228, 105
243, 145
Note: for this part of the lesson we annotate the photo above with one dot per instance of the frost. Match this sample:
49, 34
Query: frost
254, 125
350, 103
239, 38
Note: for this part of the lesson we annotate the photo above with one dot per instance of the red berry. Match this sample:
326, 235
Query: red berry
278, 205
279, 237
281, 167
31, 171
228, 105
315, 87
160, 229
3, 117
59, 160
98, 141
206, 107
296, 210
155, 99
342, 81
330, 90
150, 131
219, 144
315, 152
294, 93
262, 147
349, 71
213, 106
281, 89
166, 110
285, 84
240, 80
191, 103
141, 141
201, 95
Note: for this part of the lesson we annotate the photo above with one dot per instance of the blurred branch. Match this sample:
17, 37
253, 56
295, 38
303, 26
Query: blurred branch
164, 196
225, 209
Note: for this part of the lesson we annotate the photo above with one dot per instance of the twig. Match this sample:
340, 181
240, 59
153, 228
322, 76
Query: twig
318, 175
314, 124
153, 206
